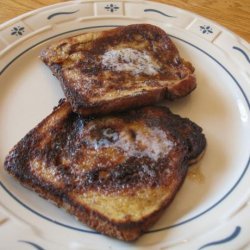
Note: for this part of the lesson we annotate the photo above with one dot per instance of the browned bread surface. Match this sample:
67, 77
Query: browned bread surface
113, 70
115, 173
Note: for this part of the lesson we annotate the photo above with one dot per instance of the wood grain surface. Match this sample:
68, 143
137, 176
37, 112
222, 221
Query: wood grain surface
233, 14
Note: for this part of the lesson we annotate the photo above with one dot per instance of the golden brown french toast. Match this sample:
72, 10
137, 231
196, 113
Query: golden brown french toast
113, 70
115, 173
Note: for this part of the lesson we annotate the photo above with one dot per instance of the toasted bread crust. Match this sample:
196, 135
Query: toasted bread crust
149, 70
51, 159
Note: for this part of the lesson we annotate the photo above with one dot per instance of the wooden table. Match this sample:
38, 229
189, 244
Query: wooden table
233, 14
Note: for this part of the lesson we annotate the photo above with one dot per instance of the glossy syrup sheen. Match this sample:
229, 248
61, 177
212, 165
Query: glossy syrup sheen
195, 174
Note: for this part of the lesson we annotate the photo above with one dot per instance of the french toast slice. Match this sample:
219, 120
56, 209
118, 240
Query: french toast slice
117, 69
116, 173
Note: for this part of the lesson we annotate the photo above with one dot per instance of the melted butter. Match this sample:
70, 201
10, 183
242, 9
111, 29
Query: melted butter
195, 174
150, 142
127, 59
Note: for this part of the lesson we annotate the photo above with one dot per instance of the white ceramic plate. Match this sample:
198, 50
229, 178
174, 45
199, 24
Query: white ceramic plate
212, 210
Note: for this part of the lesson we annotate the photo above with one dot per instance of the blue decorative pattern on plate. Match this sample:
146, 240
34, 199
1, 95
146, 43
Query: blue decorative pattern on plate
111, 7
205, 29
62, 13
37, 247
17, 31
243, 52
158, 12
231, 237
